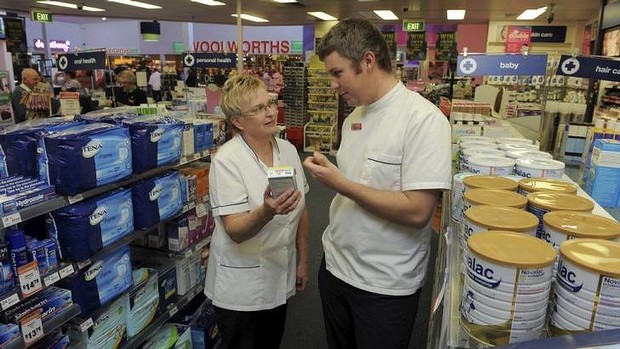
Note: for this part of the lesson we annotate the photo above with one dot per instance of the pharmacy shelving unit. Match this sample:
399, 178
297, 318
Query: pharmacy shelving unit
294, 95
321, 131
32, 282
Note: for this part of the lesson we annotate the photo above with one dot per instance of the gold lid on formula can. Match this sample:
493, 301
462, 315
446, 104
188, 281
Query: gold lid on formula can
601, 256
502, 218
583, 225
490, 182
532, 185
512, 248
560, 202
495, 197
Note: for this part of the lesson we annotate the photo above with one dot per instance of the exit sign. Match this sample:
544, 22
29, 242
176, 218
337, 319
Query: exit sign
410, 25
41, 16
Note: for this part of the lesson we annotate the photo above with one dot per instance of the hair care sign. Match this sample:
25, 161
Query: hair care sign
517, 38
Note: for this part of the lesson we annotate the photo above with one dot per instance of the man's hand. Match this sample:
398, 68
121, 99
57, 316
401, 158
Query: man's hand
324, 171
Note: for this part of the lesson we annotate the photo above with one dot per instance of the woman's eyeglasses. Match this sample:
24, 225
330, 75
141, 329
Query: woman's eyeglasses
262, 108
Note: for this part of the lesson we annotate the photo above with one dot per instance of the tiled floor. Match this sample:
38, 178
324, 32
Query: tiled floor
573, 173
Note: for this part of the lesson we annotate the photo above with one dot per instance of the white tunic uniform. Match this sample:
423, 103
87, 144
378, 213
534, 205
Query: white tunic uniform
259, 273
401, 142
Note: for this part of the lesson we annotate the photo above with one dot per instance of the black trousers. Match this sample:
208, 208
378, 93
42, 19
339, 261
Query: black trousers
357, 319
261, 329
156, 95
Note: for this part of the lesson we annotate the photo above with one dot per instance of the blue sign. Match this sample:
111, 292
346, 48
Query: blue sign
210, 60
507, 64
81, 61
590, 67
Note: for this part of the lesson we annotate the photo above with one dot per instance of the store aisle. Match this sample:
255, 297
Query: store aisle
304, 324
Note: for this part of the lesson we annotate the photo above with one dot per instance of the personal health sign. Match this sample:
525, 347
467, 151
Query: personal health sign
509, 64
81, 61
590, 67
210, 60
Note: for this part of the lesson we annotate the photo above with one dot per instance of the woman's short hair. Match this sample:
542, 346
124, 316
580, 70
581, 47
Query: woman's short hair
126, 76
238, 90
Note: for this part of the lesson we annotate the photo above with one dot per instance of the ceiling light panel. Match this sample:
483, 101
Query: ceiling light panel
531, 14
70, 5
322, 15
285, 1
140, 4
386, 15
252, 18
209, 2
455, 15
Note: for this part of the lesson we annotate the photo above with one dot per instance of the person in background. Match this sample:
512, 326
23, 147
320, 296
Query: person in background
192, 78
86, 103
131, 94
259, 249
32, 99
276, 82
393, 162
155, 84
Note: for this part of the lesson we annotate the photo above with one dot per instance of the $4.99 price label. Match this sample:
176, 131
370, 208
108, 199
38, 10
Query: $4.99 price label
32, 327
29, 278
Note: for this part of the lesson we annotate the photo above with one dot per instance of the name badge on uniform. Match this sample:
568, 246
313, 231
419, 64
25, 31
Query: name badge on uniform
356, 126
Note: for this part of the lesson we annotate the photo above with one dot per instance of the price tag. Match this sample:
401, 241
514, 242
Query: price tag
191, 205
11, 219
195, 156
75, 198
189, 253
86, 324
83, 264
201, 210
51, 279
173, 310
29, 278
66, 271
9, 301
32, 327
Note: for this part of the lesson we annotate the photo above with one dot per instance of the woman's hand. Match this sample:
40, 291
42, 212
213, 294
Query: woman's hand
283, 204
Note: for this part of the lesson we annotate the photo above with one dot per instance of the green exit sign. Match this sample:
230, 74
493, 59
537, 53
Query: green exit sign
411, 25
41, 16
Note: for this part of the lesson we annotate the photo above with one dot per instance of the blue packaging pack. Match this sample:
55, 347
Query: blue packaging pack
106, 278
88, 156
155, 141
108, 330
9, 333
156, 199
143, 301
114, 116
42, 161
86, 227
52, 301
18, 146
203, 135
6, 269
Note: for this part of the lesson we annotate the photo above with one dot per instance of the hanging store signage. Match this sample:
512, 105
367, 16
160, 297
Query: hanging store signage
122, 51
445, 47
517, 38
81, 61
249, 47
416, 46
15, 32
413, 25
589, 67
390, 39
548, 33
54, 45
210, 60
38, 15
509, 64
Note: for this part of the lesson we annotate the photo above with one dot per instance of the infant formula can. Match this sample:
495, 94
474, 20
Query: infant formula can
481, 218
489, 165
539, 168
588, 277
458, 187
517, 146
489, 182
472, 144
485, 139
513, 140
493, 197
531, 185
540, 203
517, 260
474, 151
537, 154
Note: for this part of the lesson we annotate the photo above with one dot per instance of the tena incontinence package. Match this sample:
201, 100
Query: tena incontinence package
143, 300
42, 161
156, 199
114, 116
102, 280
155, 141
18, 146
108, 330
88, 156
87, 227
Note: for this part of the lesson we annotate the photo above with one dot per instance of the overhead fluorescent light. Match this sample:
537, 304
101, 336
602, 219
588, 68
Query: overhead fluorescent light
531, 13
70, 5
140, 4
386, 15
251, 18
322, 15
455, 15
285, 1
209, 2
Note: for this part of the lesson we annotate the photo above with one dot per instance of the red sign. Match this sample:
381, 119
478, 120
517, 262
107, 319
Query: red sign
249, 47
517, 39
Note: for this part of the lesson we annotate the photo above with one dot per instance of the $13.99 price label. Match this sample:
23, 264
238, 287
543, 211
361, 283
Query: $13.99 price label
29, 279
32, 327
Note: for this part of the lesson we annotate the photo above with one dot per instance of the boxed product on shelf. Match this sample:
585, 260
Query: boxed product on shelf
170, 336
155, 141
44, 252
103, 280
108, 330
84, 228
156, 199
603, 180
143, 300
9, 333
54, 340
178, 234
203, 135
7, 277
188, 139
88, 156
201, 172
19, 197
201, 320
189, 273
167, 279
50, 302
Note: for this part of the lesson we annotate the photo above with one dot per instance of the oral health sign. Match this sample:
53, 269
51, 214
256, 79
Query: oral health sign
498, 64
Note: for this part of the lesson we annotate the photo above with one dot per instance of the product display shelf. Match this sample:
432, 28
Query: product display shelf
445, 330
166, 314
47, 328
294, 95
12, 218
321, 131
188, 252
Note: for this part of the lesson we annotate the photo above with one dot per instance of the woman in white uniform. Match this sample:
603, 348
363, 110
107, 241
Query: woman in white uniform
259, 250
